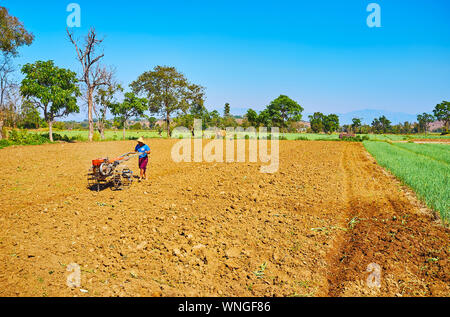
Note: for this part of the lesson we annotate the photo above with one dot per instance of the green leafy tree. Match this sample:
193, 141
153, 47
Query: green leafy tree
381, 125
385, 124
365, 129
264, 119
284, 110
152, 122
424, 121
131, 106
136, 126
376, 126
229, 121
227, 110
30, 117
185, 120
13, 33
117, 123
168, 92
215, 119
316, 121
52, 89
59, 125
252, 117
196, 111
330, 123
442, 113
199, 111
406, 128
103, 99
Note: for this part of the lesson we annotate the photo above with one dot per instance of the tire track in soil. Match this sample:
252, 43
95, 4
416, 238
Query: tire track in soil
392, 231
336, 272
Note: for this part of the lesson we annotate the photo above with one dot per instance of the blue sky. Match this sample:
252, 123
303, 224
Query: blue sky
320, 53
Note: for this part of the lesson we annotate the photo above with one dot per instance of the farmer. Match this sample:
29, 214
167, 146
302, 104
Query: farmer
144, 151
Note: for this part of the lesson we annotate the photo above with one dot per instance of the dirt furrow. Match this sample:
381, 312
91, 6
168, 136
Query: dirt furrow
387, 231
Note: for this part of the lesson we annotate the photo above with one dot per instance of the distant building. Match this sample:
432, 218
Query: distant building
302, 126
307, 124
239, 121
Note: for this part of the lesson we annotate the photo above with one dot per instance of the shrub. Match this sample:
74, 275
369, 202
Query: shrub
4, 132
77, 137
4, 143
56, 136
23, 137
357, 138
96, 137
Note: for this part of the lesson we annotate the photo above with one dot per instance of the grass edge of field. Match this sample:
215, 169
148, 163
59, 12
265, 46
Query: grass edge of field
443, 216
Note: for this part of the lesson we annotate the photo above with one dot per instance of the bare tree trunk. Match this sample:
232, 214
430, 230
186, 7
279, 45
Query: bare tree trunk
50, 130
1, 129
101, 126
168, 125
90, 117
124, 130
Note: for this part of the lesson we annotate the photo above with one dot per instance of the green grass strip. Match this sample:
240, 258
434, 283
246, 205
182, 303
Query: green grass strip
429, 178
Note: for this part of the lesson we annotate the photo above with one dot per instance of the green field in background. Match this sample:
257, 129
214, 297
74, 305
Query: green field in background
423, 167
110, 135
372, 137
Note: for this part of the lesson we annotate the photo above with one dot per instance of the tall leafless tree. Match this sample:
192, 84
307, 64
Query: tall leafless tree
94, 75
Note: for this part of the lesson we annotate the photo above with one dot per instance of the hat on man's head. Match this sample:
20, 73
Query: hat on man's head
140, 140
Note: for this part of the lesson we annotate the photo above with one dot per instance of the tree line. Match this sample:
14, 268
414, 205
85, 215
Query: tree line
383, 125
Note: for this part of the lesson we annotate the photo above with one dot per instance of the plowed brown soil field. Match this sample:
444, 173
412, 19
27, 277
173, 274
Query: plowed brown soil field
215, 229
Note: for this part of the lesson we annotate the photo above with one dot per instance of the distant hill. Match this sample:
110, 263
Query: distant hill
367, 116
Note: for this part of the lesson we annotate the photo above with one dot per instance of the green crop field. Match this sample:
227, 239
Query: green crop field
423, 167
110, 135
429, 136
438, 152
372, 137
113, 135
